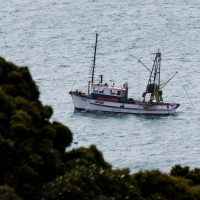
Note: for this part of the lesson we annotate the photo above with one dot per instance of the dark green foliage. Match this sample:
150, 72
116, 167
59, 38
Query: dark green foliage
35, 165
86, 181
7, 193
17, 81
154, 183
7, 106
63, 137
91, 154
30, 145
6, 153
185, 172
47, 112
179, 171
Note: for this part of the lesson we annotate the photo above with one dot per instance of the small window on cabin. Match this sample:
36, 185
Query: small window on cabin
118, 92
112, 91
95, 89
100, 90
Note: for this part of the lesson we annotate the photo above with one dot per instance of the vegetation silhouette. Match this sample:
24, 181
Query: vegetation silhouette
35, 165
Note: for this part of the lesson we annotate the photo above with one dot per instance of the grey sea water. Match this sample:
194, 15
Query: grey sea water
55, 39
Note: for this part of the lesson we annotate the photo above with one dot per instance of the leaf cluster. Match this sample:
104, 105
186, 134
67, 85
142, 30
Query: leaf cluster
156, 185
30, 145
35, 164
89, 181
185, 172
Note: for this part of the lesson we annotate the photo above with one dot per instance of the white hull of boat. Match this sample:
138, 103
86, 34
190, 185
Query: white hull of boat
137, 107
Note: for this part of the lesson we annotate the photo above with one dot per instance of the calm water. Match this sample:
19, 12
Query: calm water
55, 39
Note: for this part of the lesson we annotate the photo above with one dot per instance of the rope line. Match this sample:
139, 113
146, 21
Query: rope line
73, 85
185, 91
165, 83
139, 82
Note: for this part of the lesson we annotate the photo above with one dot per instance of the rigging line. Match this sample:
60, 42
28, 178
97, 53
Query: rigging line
171, 71
144, 65
139, 88
73, 85
185, 91
172, 79
165, 83
139, 81
169, 65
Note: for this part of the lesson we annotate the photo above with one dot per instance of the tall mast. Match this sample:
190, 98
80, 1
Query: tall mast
155, 70
157, 66
154, 77
95, 50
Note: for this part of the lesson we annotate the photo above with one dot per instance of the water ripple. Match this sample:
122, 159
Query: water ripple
56, 39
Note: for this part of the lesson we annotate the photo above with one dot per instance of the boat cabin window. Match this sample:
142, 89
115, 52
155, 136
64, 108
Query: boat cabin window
112, 91
118, 92
95, 89
100, 90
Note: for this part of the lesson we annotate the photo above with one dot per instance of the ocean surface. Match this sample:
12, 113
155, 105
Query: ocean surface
55, 39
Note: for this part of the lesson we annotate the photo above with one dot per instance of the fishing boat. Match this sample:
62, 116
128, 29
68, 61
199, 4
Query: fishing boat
106, 97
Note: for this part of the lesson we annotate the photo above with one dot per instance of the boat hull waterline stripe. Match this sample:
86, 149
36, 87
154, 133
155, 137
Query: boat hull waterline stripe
81, 103
132, 108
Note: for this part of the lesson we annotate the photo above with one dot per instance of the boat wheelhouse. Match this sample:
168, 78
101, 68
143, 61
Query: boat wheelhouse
106, 92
